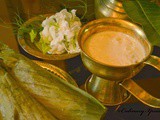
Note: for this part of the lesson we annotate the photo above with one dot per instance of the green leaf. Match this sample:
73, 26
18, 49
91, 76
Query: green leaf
147, 14
62, 99
43, 45
33, 35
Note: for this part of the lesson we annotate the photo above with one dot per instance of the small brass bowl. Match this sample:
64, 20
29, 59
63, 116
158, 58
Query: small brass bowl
107, 71
30, 47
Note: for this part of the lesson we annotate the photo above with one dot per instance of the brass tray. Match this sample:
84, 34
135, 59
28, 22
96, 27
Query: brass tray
57, 71
30, 47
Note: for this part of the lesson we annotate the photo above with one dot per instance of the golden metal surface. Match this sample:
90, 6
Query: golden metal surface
106, 91
140, 94
30, 48
104, 85
57, 71
109, 72
109, 8
153, 61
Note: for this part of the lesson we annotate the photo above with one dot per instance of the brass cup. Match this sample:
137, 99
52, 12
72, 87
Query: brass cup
111, 84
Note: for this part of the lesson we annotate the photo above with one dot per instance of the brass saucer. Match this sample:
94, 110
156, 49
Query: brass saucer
57, 71
30, 47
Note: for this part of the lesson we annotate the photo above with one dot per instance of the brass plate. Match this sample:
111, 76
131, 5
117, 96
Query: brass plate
30, 48
57, 71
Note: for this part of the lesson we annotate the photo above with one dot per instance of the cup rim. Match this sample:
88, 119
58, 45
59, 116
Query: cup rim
117, 20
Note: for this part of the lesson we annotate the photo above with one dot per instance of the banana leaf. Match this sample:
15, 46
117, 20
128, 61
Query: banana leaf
7, 109
27, 108
147, 14
62, 99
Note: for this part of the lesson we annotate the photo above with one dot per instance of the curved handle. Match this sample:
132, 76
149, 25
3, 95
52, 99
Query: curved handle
140, 94
153, 61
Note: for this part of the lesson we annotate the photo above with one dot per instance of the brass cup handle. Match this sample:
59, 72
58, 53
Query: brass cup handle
139, 92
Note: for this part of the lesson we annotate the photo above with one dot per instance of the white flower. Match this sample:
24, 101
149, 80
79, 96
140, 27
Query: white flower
52, 32
61, 29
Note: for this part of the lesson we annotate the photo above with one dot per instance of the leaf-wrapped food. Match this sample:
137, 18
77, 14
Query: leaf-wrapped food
7, 107
64, 100
27, 108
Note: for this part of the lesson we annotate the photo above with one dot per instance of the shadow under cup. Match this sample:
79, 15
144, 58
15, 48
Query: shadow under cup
111, 84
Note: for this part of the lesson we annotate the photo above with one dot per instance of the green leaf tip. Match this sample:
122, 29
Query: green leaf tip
32, 35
